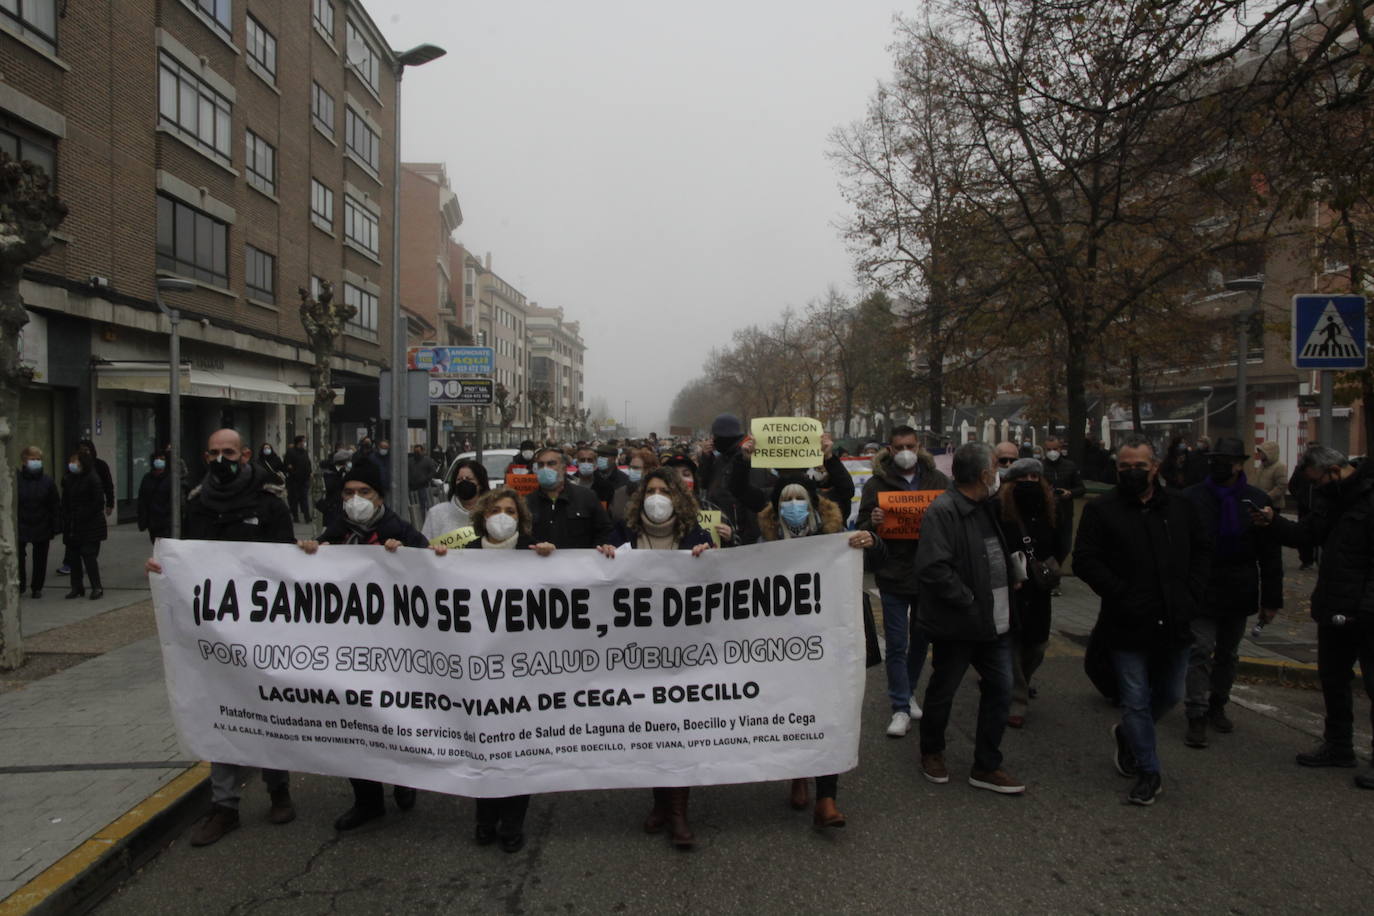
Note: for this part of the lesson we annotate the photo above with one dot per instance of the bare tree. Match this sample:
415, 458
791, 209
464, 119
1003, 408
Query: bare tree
29, 213
324, 321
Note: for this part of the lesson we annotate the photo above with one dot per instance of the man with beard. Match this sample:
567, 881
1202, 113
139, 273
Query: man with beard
239, 500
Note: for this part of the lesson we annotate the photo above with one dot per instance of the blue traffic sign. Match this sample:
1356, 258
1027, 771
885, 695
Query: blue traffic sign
1329, 332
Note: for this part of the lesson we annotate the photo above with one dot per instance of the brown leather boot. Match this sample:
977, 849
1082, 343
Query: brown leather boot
214, 825
658, 816
826, 814
682, 836
801, 794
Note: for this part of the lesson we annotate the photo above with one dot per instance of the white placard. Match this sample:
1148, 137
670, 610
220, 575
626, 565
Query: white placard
490, 673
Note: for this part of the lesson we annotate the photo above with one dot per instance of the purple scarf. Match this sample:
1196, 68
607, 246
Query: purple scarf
1229, 527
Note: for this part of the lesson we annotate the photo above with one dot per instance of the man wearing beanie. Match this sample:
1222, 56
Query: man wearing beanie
366, 519
716, 478
238, 500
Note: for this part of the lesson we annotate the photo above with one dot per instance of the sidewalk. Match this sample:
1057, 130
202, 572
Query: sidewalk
88, 755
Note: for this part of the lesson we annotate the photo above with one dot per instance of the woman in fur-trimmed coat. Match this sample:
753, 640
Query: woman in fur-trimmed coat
797, 510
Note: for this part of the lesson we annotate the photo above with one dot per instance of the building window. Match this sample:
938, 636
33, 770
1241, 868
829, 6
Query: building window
24, 148
321, 206
262, 47
324, 16
368, 66
192, 243
361, 140
260, 160
360, 225
221, 11
469, 283
365, 303
322, 108
259, 269
35, 19
193, 108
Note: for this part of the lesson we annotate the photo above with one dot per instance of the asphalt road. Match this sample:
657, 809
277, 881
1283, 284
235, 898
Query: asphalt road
1239, 829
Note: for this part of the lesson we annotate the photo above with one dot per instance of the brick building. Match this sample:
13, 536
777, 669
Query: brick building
230, 143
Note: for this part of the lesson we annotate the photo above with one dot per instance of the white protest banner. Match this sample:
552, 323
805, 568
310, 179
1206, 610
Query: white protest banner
497, 672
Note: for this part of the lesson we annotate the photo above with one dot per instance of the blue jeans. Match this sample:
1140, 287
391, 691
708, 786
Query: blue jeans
905, 653
992, 661
1151, 683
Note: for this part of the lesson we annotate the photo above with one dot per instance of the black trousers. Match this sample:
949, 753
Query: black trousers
298, 497
506, 815
40, 564
1307, 554
1338, 648
85, 556
827, 786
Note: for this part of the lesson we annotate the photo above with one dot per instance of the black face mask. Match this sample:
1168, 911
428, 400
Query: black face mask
224, 469
727, 444
1133, 481
1221, 469
465, 489
1028, 494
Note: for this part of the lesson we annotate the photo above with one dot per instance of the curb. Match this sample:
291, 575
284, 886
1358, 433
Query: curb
1281, 672
83, 877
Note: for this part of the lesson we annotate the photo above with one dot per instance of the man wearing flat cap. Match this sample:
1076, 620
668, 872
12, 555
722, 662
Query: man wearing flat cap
1246, 576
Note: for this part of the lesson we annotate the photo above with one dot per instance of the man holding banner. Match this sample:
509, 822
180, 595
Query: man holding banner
237, 501
905, 481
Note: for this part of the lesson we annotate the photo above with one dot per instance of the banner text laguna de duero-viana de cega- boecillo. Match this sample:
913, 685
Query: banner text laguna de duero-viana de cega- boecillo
489, 673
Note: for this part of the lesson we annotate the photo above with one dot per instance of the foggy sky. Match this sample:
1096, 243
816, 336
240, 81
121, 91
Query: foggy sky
658, 170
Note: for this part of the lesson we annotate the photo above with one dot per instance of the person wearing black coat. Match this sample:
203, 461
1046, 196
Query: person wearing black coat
1143, 549
716, 473
237, 501
368, 520
1026, 513
1342, 524
1066, 481
1246, 576
102, 473
40, 518
1301, 488
267, 457
565, 515
330, 505
155, 499
83, 522
298, 480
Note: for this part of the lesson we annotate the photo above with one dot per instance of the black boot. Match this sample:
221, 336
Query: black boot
682, 836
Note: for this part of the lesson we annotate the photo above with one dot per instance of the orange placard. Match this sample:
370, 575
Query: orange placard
903, 511
524, 484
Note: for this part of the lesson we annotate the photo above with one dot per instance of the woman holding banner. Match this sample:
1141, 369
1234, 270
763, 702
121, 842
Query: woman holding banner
797, 510
465, 483
367, 520
661, 515
502, 522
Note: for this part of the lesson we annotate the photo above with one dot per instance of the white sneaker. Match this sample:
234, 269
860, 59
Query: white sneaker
899, 726
915, 709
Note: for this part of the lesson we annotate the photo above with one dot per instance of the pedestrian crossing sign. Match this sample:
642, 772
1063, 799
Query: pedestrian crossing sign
1329, 332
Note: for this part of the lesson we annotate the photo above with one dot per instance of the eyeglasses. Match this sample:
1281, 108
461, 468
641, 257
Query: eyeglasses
1006, 461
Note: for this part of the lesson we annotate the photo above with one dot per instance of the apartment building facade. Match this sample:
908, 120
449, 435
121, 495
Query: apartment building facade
556, 353
243, 145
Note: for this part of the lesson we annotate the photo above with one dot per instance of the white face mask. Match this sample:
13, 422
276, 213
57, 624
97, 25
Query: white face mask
358, 510
658, 508
995, 485
905, 459
1052, 455
501, 526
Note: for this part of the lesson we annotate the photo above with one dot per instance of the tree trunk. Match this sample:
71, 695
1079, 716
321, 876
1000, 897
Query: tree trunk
1136, 425
848, 408
12, 320
1076, 394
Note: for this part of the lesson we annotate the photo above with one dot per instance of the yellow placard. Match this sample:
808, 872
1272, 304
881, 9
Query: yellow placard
903, 511
786, 442
709, 519
458, 537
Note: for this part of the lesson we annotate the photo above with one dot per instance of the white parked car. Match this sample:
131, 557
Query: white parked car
494, 460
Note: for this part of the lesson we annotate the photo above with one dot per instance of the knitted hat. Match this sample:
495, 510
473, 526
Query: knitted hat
1024, 467
365, 472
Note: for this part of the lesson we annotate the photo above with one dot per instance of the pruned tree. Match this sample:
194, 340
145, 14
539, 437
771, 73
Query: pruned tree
506, 407
29, 212
324, 321
540, 403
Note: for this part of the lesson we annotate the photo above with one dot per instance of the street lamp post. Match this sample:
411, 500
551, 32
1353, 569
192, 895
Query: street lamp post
420, 54
1241, 284
173, 389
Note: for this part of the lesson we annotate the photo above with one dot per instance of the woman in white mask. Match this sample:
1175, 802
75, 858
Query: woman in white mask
502, 522
467, 481
797, 510
661, 514
367, 520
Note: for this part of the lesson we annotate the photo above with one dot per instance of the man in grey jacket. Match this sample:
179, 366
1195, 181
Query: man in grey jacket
963, 605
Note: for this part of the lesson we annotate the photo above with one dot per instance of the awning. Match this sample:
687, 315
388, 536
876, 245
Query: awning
154, 378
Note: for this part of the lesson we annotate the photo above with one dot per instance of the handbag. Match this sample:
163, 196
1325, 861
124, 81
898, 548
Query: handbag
1045, 574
